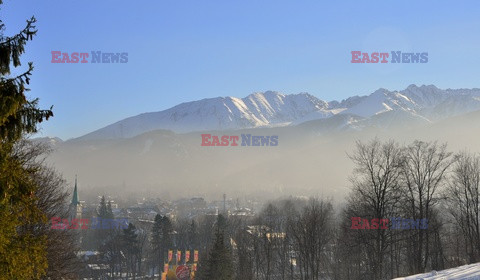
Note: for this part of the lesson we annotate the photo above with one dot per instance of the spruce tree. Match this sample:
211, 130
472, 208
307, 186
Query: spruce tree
156, 241
131, 248
102, 209
22, 253
161, 240
167, 230
219, 265
101, 232
193, 236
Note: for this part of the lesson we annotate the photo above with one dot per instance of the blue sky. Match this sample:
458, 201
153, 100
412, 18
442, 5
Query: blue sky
181, 51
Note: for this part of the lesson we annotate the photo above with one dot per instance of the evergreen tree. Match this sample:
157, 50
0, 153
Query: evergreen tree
167, 231
161, 240
101, 227
219, 265
193, 236
131, 248
22, 253
107, 235
221, 223
102, 211
157, 254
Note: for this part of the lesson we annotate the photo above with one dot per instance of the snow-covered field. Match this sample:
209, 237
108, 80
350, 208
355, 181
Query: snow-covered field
469, 272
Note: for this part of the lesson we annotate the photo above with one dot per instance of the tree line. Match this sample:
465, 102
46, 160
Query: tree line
308, 239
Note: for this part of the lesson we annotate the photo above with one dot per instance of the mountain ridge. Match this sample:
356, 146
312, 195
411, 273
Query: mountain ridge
271, 108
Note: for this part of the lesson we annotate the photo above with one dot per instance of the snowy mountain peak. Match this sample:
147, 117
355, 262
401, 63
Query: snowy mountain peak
271, 108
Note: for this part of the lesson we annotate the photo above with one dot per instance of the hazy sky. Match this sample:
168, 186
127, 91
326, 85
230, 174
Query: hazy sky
180, 51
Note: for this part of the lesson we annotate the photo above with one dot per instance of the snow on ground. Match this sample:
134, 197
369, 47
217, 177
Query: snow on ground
466, 272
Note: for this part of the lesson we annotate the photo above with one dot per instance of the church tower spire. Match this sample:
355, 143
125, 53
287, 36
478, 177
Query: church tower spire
75, 200
75, 209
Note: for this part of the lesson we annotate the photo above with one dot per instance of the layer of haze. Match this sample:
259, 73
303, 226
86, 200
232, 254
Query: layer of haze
311, 159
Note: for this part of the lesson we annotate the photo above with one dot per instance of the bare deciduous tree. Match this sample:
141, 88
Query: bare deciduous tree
464, 199
375, 195
312, 234
424, 172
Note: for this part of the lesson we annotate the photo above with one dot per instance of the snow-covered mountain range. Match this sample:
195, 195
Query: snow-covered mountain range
415, 104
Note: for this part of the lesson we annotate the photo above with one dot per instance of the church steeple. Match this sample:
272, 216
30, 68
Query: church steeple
75, 200
75, 208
